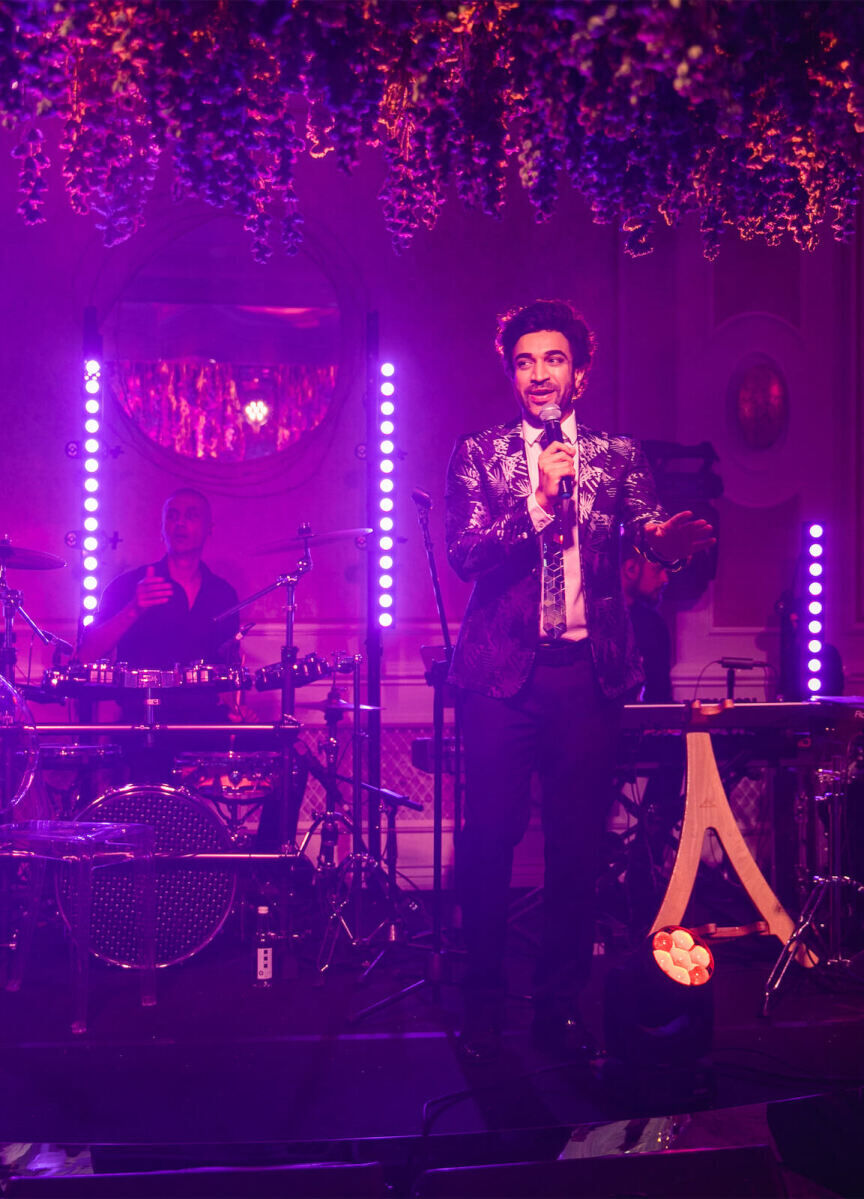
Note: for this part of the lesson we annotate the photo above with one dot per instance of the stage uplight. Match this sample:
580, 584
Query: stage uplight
659, 1013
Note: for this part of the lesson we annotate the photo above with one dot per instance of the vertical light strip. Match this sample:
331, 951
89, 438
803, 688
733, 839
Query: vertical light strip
813, 630
385, 533
92, 447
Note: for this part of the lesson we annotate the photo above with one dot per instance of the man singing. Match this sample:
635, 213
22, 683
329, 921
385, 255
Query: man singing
545, 654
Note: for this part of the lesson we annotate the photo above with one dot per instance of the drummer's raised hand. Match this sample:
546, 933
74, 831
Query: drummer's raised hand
152, 590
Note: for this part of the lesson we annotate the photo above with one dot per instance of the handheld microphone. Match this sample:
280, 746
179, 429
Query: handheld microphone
421, 498
550, 414
740, 663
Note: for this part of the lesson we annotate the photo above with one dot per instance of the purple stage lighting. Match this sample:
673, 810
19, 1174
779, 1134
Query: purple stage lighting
91, 426
386, 541
813, 644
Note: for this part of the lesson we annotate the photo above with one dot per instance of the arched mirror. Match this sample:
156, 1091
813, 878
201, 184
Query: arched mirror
213, 358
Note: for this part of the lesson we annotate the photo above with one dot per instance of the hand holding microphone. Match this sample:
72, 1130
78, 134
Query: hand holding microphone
556, 462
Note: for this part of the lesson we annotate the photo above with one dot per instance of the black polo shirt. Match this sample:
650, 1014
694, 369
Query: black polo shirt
173, 634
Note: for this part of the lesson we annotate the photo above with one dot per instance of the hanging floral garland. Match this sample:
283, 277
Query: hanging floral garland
746, 113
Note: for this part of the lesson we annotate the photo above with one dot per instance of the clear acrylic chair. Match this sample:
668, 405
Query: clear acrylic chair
79, 849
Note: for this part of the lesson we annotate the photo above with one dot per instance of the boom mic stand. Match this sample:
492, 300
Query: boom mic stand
438, 665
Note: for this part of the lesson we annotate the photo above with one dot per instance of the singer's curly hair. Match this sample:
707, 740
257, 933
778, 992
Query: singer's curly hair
557, 315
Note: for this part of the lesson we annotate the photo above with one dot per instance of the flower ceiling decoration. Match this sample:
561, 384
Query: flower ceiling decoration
747, 113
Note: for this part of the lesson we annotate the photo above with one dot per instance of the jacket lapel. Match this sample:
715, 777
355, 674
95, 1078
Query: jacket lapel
591, 455
508, 467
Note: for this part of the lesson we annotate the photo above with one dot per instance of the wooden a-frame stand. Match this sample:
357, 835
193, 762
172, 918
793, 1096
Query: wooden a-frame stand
706, 806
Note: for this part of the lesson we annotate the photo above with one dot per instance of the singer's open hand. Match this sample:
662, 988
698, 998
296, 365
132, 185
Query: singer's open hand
555, 462
679, 537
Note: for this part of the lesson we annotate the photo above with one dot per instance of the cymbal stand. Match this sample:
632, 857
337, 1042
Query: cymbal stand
393, 925
832, 791
288, 656
436, 676
360, 868
332, 818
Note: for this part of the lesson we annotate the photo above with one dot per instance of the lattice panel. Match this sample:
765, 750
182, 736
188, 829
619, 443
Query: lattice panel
397, 773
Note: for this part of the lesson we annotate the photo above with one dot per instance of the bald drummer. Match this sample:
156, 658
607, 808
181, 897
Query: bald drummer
161, 614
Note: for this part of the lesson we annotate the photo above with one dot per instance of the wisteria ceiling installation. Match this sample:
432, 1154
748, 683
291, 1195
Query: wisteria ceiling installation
748, 114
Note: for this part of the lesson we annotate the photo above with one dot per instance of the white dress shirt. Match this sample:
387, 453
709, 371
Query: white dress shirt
574, 597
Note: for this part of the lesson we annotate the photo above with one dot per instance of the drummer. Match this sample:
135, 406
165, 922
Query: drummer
161, 615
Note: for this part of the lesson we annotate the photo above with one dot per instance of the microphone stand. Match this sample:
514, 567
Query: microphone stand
436, 677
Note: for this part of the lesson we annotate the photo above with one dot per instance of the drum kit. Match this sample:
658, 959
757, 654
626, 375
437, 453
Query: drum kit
233, 804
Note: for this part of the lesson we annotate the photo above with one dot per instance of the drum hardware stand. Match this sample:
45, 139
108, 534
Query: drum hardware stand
393, 926
10, 598
437, 662
288, 657
359, 865
331, 819
832, 794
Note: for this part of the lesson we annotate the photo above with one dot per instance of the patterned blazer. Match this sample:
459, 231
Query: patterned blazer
491, 541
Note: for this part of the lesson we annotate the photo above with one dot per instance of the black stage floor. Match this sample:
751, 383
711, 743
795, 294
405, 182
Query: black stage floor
221, 1070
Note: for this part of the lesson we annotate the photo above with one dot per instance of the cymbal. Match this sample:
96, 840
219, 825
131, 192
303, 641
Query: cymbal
16, 558
336, 705
299, 543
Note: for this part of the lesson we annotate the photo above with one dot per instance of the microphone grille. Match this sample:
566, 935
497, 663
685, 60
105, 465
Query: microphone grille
550, 411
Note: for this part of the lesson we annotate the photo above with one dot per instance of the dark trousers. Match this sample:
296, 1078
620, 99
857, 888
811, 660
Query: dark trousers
561, 726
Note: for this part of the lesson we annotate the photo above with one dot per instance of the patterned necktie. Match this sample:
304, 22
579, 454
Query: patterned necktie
554, 614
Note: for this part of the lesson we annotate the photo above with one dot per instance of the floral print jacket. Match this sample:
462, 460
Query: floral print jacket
492, 542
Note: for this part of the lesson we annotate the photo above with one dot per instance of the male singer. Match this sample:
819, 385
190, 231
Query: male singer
545, 654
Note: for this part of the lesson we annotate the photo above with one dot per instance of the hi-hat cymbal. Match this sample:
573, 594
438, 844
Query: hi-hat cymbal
299, 543
336, 705
16, 558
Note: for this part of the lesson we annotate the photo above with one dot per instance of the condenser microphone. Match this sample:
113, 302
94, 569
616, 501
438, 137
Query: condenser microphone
421, 498
550, 414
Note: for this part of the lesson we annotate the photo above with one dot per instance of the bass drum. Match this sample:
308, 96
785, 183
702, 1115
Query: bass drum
193, 899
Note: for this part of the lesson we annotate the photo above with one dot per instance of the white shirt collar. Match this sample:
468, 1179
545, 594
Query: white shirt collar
531, 435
